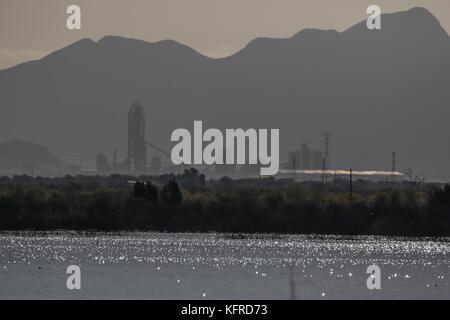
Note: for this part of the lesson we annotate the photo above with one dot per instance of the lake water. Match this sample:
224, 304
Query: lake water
219, 266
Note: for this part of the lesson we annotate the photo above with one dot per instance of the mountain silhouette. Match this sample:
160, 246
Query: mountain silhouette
377, 91
18, 157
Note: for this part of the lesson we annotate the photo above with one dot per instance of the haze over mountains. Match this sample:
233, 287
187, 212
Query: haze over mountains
376, 91
20, 157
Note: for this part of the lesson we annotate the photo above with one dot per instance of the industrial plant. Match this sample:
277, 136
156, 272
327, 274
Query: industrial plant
303, 163
136, 162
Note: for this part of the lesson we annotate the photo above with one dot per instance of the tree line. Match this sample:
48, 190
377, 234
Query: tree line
225, 206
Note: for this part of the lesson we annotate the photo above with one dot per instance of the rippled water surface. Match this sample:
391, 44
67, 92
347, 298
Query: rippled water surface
219, 266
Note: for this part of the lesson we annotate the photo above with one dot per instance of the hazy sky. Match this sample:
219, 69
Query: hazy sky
30, 29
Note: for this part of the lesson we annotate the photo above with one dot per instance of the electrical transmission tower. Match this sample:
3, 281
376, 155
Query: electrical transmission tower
326, 158
394, 166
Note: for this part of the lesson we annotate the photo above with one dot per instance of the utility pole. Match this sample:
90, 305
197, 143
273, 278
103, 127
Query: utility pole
323, 172
351, 188
326, 159
292, 280
294, 167
114, 160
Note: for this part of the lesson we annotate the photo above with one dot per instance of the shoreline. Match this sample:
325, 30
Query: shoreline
224, 235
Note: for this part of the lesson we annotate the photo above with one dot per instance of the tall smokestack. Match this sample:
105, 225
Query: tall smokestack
137, 150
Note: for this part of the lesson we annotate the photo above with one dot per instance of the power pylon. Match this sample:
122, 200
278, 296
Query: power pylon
394, 166
326, 158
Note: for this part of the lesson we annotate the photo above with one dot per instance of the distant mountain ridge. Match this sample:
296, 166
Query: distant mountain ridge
20, 157
376, 91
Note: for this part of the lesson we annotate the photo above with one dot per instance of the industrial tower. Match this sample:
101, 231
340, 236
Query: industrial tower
137, 150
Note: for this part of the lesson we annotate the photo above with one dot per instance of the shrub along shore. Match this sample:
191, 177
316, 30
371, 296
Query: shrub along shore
188, 203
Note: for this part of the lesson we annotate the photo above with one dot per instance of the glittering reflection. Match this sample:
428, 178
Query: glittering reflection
221, 250
230, 265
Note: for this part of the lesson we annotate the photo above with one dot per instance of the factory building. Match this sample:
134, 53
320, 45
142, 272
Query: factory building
102, 164
305, 159
317, 163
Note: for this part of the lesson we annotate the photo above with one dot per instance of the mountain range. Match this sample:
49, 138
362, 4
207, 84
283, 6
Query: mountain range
21, 157
376, 91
